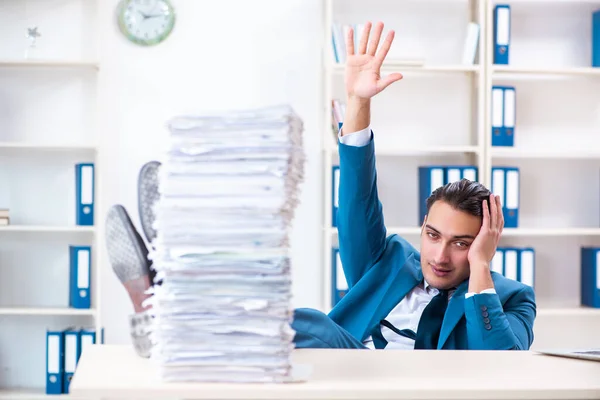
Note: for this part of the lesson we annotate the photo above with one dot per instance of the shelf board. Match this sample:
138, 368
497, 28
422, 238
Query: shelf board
45, 311
47, 228
393, 230
40, 63
46, 147
31, 394
511, 152
568, 312
551, 232
400, 66
385, 149
501, 70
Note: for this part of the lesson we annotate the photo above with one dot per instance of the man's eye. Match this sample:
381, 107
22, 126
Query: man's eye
432, 235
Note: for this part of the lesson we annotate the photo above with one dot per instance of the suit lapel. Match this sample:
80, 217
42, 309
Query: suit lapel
455, 311
409, 276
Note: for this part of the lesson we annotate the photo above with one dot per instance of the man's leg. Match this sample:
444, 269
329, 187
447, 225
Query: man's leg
315, 329
128, 254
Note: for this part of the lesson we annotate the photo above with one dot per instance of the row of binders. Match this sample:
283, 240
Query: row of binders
517, 263
505, 183
502, 35
503, 115
63, 350
84, 194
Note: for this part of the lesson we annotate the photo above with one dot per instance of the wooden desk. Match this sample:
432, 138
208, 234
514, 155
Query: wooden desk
116, 372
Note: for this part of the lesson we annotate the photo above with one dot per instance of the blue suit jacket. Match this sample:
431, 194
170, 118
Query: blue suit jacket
381, 270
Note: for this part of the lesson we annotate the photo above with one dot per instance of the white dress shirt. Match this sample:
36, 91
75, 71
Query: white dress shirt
407, 313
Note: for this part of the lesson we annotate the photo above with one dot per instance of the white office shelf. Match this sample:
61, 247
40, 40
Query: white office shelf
46, 311
51, 123
508, 152
48, 228
507, 70
49, 64
407, 66
47, 147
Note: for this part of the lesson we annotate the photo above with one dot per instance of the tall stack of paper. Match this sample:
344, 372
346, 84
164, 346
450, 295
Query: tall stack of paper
229, 186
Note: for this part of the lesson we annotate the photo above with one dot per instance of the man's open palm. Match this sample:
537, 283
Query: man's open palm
363, 77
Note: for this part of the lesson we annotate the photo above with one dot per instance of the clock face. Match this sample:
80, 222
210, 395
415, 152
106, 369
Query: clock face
146, 22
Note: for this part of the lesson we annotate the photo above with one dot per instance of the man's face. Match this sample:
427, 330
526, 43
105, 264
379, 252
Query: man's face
445, 241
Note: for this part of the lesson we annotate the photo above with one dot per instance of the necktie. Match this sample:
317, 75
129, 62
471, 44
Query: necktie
380, 342
430, 323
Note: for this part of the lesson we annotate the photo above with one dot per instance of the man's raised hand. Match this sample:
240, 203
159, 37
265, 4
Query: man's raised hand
363, 65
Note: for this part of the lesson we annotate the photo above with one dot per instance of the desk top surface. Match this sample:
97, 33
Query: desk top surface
116, 372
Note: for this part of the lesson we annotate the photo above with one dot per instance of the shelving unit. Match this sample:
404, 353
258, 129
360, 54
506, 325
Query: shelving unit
440, 113
48, 126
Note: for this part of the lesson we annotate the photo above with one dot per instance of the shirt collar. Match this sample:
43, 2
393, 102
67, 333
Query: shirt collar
426, 285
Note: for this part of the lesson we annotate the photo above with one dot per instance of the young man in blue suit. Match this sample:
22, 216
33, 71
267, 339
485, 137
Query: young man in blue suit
444, 297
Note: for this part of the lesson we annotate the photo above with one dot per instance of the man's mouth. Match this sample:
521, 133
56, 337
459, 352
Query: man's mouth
438, 271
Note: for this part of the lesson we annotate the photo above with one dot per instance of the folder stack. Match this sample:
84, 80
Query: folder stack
229, 187
516, 263
506, 184
63, 350
503, 115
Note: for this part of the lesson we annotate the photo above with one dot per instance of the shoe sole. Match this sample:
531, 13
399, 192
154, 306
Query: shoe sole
148, 196
127, 252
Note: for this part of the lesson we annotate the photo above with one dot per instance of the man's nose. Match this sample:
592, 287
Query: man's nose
443, 255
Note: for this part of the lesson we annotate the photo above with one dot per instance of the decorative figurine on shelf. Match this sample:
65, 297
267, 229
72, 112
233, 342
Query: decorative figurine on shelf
32, 35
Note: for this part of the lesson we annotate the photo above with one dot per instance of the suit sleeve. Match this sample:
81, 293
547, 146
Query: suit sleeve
361, 229
492, 326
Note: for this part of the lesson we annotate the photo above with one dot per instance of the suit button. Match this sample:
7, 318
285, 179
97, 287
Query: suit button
483, 308
486, 320
488, 327
485, 314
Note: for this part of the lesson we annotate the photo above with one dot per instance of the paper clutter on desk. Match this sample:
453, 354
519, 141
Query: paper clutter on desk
229, 186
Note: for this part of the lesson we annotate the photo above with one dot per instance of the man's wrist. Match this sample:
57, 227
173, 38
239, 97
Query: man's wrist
482, 265
481, 277
360, 110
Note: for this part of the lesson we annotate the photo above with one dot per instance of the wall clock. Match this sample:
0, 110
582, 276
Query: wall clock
146, 22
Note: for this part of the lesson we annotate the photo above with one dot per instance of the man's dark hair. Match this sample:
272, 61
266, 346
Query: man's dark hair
463, 195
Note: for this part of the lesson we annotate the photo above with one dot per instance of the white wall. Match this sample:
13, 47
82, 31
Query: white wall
221, 55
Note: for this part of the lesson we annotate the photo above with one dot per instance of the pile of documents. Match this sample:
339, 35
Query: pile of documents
229, 186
